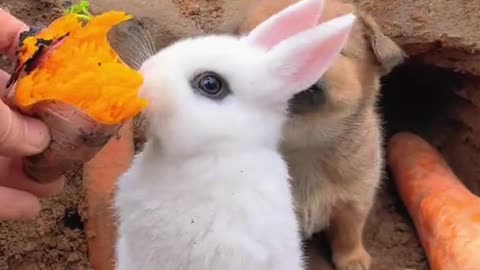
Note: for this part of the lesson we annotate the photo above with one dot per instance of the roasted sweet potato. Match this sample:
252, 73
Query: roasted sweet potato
78, 76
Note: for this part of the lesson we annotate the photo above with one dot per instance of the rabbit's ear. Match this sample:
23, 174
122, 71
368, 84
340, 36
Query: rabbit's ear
300, 61
288, 22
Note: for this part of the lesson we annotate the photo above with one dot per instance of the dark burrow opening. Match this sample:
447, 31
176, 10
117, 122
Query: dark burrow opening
425, 100
72, 219
417, 97
439, 105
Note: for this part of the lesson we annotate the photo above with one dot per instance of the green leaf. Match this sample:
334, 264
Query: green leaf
81, 10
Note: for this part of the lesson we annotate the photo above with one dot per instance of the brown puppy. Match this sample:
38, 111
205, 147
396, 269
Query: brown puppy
333, 140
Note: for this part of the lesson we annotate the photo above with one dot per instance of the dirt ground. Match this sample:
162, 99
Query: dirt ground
56, 240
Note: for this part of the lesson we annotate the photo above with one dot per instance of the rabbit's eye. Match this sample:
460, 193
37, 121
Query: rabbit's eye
211, 85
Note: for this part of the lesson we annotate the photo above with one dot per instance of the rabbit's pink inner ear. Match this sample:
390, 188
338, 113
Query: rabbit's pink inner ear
288, 22
301, 60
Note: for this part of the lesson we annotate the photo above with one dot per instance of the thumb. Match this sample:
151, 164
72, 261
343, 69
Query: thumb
21, 135
16, 205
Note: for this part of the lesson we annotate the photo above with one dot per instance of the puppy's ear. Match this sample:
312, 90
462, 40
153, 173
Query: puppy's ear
386, 51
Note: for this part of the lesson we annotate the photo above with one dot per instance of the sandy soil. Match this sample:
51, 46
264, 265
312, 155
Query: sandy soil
56, 240
432, 30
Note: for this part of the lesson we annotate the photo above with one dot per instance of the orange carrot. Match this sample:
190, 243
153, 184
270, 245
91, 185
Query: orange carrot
100, 176
445, 213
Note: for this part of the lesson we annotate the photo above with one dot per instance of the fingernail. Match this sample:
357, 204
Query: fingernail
36, 133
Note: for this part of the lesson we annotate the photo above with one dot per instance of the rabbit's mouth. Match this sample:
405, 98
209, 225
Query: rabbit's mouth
308, 100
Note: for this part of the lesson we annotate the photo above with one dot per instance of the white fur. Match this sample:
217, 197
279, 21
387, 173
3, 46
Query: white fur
210, 191
215, 211
205, 194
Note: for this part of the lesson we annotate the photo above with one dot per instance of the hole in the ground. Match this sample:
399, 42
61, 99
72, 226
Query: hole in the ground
416, 97
73, 220
442, 107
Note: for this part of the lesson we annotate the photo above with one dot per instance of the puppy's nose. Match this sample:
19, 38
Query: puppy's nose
308, 100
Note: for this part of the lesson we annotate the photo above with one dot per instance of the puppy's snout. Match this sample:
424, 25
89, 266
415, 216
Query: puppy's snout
308, 100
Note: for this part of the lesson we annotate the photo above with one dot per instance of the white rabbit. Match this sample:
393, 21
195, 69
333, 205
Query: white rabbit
210, 191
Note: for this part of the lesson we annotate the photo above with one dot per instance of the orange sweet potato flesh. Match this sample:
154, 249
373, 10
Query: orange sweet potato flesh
445, 213
83, 85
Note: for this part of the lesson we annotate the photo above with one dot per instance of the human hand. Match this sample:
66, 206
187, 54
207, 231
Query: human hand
19, 136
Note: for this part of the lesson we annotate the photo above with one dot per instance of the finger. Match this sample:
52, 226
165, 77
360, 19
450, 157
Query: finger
21, 135
12, 176
16, 205
11, 28
3, 82
38, 189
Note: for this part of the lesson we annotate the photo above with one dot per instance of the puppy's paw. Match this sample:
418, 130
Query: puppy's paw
358, 260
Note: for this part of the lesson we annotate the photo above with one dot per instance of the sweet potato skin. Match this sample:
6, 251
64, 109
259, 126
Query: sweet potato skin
76, 139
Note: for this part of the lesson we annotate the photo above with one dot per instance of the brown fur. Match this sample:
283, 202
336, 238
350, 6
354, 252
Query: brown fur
335, 150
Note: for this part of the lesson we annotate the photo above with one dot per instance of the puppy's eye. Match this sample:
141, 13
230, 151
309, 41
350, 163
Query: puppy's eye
211, 85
